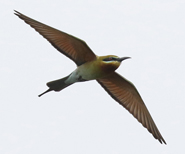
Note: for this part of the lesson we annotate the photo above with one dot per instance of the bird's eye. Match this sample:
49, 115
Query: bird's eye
110, 59
107, 59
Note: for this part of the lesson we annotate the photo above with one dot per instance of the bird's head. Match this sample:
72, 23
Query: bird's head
111, 63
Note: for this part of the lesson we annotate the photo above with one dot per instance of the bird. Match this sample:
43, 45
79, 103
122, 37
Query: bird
93, 67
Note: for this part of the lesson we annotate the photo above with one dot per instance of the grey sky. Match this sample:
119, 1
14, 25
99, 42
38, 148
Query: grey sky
83, 118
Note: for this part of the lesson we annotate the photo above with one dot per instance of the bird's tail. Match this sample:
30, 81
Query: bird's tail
56, 85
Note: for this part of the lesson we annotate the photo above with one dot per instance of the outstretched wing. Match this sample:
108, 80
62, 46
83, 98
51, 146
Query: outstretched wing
74, 48
125, 93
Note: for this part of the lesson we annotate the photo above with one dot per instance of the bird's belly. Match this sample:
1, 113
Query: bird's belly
89, 72
82, 74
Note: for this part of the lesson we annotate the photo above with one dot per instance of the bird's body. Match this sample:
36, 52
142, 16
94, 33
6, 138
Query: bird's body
91, 70
93, 67
85, 72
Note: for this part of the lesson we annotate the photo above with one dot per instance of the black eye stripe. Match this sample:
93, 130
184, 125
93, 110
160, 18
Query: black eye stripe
110, 59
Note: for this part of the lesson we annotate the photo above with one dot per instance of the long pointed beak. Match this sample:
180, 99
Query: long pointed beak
123, 58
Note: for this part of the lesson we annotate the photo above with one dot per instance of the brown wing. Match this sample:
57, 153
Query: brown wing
72, 47
126, 94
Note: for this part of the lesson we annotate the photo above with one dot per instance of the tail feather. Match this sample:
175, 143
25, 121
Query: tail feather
56, 85
45, 92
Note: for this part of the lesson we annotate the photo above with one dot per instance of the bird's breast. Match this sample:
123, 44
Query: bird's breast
95, 69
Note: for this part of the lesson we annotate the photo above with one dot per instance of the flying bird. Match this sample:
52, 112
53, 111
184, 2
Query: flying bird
93, 67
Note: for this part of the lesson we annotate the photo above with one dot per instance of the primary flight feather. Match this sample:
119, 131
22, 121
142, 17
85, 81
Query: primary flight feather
93, 67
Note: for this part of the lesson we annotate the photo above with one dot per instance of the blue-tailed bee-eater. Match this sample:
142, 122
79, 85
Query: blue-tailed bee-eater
93, 67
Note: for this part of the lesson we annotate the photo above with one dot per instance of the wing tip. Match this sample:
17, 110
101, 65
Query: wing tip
16, 12
162, 141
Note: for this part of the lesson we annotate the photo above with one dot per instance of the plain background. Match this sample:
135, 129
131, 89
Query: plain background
83, 118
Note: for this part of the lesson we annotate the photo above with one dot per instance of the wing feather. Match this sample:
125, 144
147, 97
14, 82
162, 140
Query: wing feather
74, 48
125, 93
